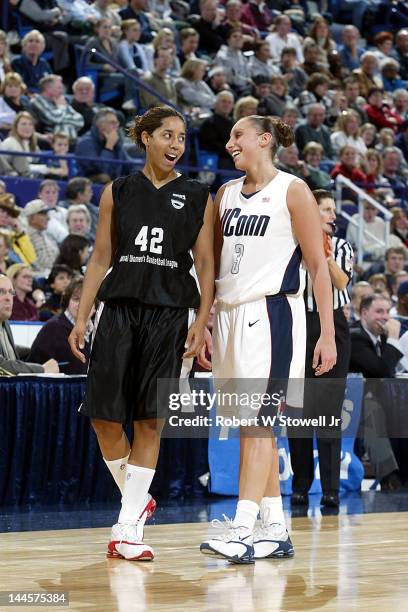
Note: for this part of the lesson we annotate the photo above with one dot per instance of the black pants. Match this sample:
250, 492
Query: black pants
324, 395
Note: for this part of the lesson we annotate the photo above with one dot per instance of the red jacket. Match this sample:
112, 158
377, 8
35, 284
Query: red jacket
252, 16
24, 311
380, 116
355, 175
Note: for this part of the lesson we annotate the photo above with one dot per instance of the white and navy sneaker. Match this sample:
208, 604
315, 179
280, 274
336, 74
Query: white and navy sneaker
272, 542
235, 544
127, 540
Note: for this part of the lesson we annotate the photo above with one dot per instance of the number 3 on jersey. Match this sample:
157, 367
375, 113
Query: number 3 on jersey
155, 238
239, 251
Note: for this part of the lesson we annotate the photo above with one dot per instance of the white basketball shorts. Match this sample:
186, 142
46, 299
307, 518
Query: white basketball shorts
263, 340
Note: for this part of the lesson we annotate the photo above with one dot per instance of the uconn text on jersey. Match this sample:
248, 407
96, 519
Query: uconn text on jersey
235, 224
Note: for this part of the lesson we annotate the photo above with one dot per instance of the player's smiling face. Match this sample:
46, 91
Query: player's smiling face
246, 144
167, 143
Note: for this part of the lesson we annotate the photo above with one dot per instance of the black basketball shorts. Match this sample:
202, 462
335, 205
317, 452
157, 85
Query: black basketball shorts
133, 346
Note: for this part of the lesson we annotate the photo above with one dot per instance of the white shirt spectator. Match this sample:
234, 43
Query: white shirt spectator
7, 114
77, 10
126, 56
266, 69
277, 44
57, 227
159, 8
2, 72
13, 165
340, 139
370, 246
403, 362
195, 93
235, 67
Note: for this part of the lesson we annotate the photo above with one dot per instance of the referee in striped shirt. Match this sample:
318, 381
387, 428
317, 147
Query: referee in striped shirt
324, 396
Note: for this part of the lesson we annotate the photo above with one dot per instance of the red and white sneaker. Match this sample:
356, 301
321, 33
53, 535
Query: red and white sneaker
127, 540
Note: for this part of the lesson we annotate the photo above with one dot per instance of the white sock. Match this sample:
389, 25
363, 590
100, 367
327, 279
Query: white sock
246, 514
117, 468
137, 484
272, 510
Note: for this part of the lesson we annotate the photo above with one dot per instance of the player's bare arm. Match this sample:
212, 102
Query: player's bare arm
307, 227
203, 253
96, 269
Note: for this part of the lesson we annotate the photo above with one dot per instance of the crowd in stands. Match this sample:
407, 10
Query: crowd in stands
342, 88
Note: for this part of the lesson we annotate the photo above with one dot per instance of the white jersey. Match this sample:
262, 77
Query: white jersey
260, 254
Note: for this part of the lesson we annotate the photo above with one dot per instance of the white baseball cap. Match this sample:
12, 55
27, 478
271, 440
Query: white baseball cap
34, 207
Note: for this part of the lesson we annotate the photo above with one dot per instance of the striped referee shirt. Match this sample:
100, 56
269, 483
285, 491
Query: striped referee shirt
344, 258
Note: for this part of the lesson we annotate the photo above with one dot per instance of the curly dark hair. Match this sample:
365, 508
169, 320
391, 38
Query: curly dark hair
150, 121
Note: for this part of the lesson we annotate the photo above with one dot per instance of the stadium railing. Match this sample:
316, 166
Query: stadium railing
133, 161
341, 181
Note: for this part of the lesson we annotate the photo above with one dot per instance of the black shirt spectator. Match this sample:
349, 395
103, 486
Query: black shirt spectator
47, 17
402, 140
83, 102
10, 360
58, 281
52, 342
314, 130
102, 142
30, 65
215, 131
375, 352
400, 53
52, 339
366, 359
210, 36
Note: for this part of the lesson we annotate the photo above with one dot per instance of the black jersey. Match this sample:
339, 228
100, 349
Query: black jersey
156, 228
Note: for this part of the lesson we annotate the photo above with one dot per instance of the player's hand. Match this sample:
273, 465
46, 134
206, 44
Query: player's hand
194, 341
51, 367
207, 348
325, 355
76, 341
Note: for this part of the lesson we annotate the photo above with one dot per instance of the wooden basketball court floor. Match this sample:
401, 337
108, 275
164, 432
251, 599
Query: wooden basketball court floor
343, 563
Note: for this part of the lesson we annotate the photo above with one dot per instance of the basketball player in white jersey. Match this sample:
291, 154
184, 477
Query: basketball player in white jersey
266, 224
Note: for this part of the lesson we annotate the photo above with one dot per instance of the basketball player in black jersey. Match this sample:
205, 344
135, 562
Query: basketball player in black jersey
149, 222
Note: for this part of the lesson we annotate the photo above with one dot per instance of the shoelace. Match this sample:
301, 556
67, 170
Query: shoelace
278, 531
128, 532
266, 527
227, 525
